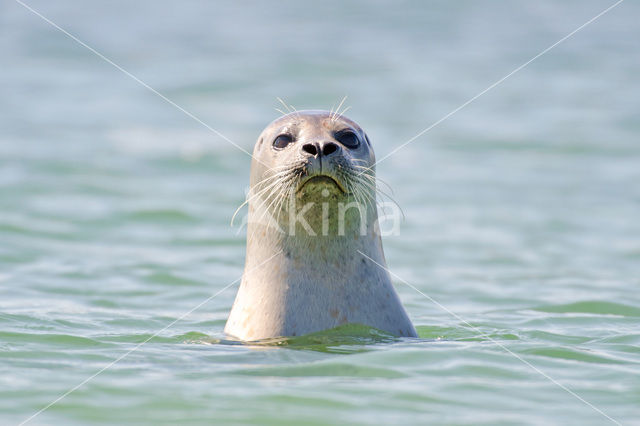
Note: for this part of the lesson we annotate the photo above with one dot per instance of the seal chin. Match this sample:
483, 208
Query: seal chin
322, 180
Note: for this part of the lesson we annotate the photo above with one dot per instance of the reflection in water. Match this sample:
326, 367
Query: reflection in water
345, 339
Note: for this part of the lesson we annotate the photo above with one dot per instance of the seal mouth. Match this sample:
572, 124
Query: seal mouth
322, 179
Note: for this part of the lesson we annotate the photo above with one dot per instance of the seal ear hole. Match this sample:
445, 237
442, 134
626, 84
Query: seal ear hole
281, 141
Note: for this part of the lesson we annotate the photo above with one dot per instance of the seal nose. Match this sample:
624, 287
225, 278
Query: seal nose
323, 148
329, 148
310, 148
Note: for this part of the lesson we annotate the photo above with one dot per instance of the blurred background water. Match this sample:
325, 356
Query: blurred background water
521, 209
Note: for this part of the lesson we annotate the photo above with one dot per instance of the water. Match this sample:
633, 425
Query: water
521, 211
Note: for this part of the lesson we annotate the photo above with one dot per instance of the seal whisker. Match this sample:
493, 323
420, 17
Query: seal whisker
284, 187
343, 111
296, 111
248, 199
279, 175
362, 197
384, 195
372, 200
285, 193
289, 195
333, 116
377, 179
263, 209
275, 195
273, 189
356, 185
367, 194
283, 104
262, 187
280, 206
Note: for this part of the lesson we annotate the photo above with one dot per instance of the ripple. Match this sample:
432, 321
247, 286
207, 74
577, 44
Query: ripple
324, 370
65, 340
573, 354
592, 307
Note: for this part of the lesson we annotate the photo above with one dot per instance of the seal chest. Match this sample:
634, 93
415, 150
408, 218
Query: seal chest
312, 212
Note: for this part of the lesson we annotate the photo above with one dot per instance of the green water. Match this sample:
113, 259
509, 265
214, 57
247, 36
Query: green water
521, 211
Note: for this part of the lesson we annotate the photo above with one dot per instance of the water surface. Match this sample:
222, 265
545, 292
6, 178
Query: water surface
521, 210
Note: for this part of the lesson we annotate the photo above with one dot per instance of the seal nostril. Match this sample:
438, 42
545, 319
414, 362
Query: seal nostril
310, 149
329, 148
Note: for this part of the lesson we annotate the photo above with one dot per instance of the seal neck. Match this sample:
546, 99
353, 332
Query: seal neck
316, 236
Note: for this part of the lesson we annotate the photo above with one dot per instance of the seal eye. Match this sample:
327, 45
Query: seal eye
281, 141
347, 138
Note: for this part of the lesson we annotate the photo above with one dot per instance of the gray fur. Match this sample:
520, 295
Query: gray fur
316, 282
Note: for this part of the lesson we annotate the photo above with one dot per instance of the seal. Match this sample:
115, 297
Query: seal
312, 218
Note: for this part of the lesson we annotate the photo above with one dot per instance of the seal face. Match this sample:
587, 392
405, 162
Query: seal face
312, 210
